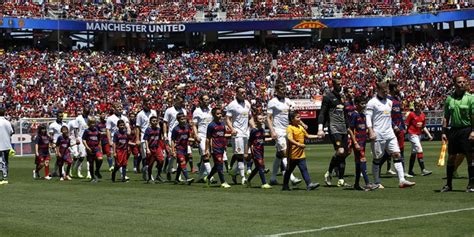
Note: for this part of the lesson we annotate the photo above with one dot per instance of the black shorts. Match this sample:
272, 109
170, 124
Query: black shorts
458, 141
339, 140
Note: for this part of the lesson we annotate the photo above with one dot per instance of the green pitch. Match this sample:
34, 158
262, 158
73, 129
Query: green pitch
71, 208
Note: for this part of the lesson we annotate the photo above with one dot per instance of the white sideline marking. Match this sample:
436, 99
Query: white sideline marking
370, 222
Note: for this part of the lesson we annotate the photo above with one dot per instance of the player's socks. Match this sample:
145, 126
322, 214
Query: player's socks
149, 171
91, 167
249, 164
191, 164
412, 163
358, 169
421, 162
232, 161
399, 168
241, 167
363, 167
226, 166
185, 173
46, 170
376, 172
261, 172
124, 172
160, 167
207, 166
167, 161
109, 160
114, 173
332, 164
342, 167
68, 170
220, 172
99, 164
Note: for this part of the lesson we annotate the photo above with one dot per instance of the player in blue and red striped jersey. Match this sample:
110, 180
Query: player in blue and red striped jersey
120, 146
92, 138
180, 136
256, 141
398, 124
134, 145
104, 141
358, 132
42, 144
63, 143
216, 144
154, 153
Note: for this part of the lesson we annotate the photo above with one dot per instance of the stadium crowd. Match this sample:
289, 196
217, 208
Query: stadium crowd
171, 11
37, 83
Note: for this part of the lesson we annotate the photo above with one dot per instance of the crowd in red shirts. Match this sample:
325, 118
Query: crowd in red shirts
174, 11
36, 83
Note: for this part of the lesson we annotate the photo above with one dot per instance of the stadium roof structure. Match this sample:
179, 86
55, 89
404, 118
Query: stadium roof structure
241, 25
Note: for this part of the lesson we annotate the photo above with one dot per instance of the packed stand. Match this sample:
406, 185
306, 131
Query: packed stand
34, 83
186, 12
239, 11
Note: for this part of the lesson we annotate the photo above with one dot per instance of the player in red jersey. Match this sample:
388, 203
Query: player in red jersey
416, 122
152, 138
180, 136
42, 145
92, 138
120, 146
63, 144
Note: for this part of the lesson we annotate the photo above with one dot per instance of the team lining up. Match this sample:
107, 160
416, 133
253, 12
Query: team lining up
163, 141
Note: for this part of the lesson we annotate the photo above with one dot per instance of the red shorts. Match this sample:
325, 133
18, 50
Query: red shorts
134, 150
181, 160
106, 149
218, 158
401, 139
162, 145
155, 154
121, 157
41, 159
359, 155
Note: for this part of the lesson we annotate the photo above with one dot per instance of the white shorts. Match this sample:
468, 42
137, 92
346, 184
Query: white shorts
202, 146
281, 143
380, 146
415, 143
81, 149
240, 145
74, 151
224, 157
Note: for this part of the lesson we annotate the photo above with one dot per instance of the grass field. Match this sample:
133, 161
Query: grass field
77, 208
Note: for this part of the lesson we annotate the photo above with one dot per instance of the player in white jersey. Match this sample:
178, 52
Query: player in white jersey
142, 123
169, 123
379, 123
239, 120
78, 130
111, 125
277, 119
54, 131
202, 117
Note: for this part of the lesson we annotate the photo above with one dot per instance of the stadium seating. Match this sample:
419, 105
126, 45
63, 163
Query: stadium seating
171, 11
34, 83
